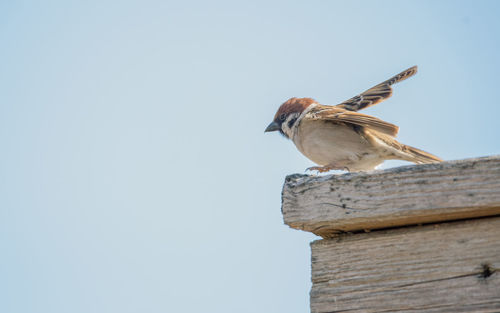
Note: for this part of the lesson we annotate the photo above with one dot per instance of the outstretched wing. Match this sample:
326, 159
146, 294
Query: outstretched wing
377, 93
338, 115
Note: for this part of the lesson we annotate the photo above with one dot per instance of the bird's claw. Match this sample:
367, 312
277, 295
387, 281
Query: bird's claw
324, 169
320, 169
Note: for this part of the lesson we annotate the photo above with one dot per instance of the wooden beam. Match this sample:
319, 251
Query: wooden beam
408, 195
446, 267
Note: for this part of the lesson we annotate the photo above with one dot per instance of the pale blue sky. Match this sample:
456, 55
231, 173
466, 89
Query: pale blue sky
135, 175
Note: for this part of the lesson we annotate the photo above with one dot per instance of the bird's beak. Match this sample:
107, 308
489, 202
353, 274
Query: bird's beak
272, 127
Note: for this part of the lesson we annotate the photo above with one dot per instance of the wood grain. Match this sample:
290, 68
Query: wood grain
409, 195
447, 267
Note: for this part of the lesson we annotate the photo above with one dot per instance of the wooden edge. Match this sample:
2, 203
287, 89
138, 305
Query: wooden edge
402, 196
329, 230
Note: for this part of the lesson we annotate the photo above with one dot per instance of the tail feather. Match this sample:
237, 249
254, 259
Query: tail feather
418, 156
395, 150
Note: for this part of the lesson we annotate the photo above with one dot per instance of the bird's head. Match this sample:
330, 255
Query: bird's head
288, 114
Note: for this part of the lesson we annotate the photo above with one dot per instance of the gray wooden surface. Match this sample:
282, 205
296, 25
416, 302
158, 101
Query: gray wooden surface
409, 195
447, 267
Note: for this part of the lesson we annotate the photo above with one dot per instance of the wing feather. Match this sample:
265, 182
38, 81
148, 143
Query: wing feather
377, 93
338, 115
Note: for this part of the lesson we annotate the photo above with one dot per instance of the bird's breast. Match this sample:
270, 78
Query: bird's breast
327, 143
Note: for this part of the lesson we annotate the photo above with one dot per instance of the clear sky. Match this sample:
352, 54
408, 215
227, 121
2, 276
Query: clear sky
135, 175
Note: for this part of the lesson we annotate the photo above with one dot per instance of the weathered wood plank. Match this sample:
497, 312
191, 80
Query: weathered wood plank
406, 195
448, 267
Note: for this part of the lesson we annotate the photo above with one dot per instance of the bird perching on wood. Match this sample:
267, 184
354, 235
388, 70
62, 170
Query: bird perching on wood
339, 138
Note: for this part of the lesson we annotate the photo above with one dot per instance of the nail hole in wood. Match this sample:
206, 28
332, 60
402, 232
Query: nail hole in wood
487, 271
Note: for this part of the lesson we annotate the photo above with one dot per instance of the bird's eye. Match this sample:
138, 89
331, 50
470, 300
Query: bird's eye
282, 116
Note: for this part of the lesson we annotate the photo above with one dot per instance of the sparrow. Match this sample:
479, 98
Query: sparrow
339, 138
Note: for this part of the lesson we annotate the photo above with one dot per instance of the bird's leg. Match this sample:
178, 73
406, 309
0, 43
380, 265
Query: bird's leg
320, 169
327, 168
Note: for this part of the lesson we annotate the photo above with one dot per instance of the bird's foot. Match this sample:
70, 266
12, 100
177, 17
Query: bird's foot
324, 169
320, 169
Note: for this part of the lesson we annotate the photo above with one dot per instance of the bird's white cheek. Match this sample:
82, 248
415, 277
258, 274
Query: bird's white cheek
290, 124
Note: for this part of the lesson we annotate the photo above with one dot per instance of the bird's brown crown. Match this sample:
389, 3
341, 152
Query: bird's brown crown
293, 105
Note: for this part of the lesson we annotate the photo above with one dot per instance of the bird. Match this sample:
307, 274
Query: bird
338, 137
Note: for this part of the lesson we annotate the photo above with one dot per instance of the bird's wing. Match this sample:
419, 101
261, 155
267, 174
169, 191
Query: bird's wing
337, 115
377, 93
